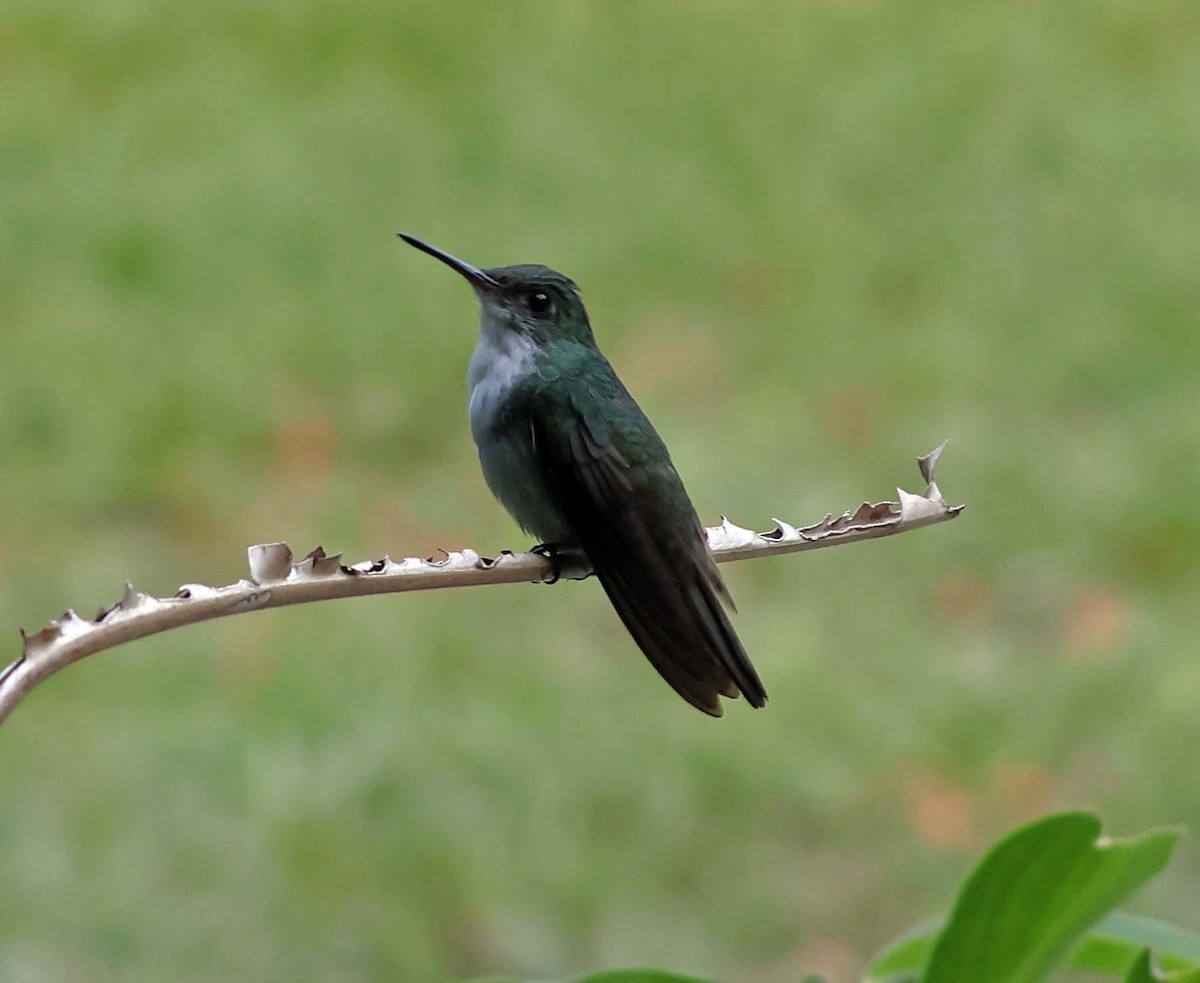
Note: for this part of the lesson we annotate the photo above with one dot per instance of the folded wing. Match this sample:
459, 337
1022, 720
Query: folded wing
631, 514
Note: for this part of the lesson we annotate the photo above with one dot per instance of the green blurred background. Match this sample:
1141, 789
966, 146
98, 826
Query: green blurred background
815, 239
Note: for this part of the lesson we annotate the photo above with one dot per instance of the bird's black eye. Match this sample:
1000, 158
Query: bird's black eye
539, 302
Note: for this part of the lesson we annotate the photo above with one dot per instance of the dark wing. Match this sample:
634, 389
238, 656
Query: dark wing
631, 514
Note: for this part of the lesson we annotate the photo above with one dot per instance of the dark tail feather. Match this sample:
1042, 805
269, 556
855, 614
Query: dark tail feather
682, 629
674, 662
725, 645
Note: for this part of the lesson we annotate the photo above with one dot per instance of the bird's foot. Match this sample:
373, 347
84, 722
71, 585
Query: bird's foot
566, 560
554, 553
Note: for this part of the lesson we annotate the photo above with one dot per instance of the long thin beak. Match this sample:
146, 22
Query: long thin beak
474, 274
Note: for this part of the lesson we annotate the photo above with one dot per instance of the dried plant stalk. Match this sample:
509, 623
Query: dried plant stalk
276, 580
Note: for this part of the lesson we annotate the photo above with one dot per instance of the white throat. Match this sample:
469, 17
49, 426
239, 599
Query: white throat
500, 359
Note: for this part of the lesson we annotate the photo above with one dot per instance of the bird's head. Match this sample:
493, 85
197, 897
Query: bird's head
530, 300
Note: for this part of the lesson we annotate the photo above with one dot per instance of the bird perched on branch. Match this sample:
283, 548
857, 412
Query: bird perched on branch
568, 452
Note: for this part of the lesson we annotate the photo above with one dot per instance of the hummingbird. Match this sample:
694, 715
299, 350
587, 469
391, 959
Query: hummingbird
575, 461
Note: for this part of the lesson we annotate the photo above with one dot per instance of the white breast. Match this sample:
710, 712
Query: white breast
496, 364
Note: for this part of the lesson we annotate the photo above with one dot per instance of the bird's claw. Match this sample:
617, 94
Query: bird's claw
551, 552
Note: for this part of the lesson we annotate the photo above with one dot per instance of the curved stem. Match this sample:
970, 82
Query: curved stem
276, 580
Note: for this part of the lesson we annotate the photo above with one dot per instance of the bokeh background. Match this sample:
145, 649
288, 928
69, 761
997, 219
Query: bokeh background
815, 239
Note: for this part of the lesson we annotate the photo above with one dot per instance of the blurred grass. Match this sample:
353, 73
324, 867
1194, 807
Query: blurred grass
815, 239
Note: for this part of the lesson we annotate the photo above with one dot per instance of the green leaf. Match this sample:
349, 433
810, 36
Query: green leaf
1119, 936
1142, 970
1035, 893
1109, 947
904, 957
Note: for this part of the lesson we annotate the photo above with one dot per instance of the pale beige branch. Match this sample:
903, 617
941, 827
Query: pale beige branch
276, 580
